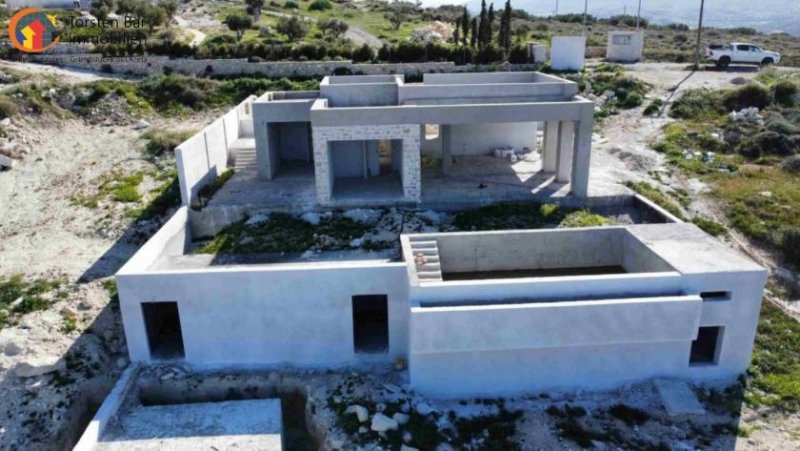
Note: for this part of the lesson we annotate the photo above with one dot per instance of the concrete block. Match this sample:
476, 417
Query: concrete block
6, 162
678, 398
568, 52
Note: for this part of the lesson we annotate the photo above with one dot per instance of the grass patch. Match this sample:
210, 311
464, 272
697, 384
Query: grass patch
510, 216
583, 218
282, 232
207, 192
19, 296
161, 141
775, 370
709, 226
658, 197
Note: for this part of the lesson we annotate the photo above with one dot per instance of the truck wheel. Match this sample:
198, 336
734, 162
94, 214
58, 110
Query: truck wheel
724, 62
768, 62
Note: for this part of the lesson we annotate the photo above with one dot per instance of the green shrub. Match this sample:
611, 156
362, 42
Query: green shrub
709, 226
698, 104
767, 143
320, 5
160, 141
654, 107
748, 96
583, 218
792, 164
784, 92
8, 108
790, 246
633, 100
782, 126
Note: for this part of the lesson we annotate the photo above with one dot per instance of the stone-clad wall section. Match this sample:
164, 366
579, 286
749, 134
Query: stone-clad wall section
150, 65
408, 133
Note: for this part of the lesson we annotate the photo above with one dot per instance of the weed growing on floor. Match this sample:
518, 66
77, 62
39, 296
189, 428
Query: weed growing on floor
207, 192
775, 370
631, 416
663, 200
709, 226
19, 296
161, 141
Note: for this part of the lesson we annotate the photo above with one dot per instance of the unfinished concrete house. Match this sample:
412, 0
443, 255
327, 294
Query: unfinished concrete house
473, 313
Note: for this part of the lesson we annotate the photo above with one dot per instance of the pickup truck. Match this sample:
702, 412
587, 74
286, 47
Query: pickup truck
740, 53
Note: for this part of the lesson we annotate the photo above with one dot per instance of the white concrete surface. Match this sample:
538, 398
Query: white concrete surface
568, 53
249, 424
678, 397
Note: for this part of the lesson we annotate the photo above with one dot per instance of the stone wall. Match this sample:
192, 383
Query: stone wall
150, 65
408, 133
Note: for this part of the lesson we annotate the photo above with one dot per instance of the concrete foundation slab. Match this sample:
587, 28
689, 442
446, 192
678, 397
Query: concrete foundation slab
251, 424
678, 398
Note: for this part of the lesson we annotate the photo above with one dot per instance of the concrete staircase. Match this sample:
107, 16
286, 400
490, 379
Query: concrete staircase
245, 151
426, 259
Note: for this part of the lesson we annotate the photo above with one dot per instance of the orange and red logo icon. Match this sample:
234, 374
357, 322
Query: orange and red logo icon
32, 30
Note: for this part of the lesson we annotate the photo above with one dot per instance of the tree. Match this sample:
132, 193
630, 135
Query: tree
333, 26
482, 24
457, 32
487, 34
101, 8
152, 15
292, 27
254, 8
504, 35
398, 12
363, 54
521, 31
170, 7
465, 26
473, 38
238, 22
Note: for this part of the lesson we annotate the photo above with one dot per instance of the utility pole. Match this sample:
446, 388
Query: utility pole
585, 10
556, 8
638, 15
699, 35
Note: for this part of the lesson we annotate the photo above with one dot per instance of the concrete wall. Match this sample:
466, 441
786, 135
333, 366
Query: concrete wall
625, 46
568, 52
341, 94
325, 167
267, 314
203, 157
482, 139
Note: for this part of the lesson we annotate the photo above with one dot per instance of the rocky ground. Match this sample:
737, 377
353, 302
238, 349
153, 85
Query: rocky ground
57, 364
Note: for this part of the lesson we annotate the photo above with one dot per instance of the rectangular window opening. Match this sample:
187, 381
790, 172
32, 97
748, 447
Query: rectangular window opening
716, 295
371, 323
163, 325
705, 349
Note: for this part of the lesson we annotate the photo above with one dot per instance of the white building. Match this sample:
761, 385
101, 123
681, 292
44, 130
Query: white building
474, 313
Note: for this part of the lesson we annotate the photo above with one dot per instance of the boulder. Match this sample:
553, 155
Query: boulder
382, 423
401, 418
6, 162
141, 125
361, 412
39, 365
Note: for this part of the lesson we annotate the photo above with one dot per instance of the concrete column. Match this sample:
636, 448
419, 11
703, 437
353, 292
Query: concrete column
447, 157
323, 170
412, 170
566, 133
550, 146
261, 135
581, 160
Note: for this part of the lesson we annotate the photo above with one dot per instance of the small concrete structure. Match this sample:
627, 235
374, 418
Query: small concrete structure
537, 53
625, 46
365, 136
477, 313
568, 53
678, 398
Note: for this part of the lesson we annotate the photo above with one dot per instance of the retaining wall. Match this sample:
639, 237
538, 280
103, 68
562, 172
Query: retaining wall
151, 65
204, 156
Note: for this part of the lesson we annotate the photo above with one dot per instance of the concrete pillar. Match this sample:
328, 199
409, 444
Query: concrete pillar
550, 146
581, 160
261, 135
566, 134
412, 169
323, 170
447, 157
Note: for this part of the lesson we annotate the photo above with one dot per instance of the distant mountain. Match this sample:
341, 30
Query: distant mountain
768, 16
